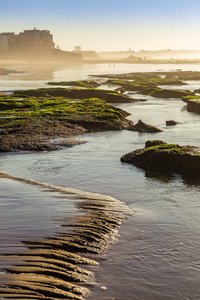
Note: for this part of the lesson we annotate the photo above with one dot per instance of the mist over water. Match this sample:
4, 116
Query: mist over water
157, 255
36, 75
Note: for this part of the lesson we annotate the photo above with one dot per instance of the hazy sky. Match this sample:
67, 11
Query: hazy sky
108, 24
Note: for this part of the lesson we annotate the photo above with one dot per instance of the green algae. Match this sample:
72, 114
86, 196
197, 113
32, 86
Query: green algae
151, 86
14, 109
84, 84
170, 148
191, 97
170, 93
172, 77
30, 118
75, 94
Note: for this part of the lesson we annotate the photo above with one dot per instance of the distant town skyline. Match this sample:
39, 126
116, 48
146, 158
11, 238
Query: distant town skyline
108, 25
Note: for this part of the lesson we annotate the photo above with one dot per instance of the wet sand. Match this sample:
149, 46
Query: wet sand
6, 72
52, 268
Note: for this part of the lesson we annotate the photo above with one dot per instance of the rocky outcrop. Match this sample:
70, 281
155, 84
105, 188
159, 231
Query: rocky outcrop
34, 135
171, 123
152, 143
150, 84
162, 93
117, 98
81, 84
55, 117
163, 157
193, 105
143, 127
108, 96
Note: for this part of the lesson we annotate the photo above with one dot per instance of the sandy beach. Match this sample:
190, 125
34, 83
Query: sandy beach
6, 72
12, 66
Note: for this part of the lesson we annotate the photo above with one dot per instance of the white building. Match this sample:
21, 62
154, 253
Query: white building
3, 42
77, 49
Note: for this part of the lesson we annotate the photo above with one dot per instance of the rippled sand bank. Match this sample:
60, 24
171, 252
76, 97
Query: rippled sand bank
52, 268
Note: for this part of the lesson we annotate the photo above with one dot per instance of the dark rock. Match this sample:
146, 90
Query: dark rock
166, 158
143, 127
117, 98
56, 118
153, 143
171, 123
161, 93
193, 106
107, 95
78, 84
35, 135
139, 100
3, 131
121, 111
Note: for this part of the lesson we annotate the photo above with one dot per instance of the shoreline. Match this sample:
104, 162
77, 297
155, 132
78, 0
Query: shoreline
5, 71
5, 64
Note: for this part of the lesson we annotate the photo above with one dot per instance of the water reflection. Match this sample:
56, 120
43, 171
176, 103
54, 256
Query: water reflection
37, 74
162, 177
191, 181
168, 177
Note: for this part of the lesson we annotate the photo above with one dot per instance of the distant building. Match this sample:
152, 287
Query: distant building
10, 38
3, 43
28, 39
36, 39
77, 49
86, 55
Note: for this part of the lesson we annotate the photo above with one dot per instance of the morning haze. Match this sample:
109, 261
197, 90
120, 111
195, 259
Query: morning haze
36, 44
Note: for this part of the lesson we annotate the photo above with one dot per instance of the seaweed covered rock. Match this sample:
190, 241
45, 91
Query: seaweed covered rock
28, 123
150, 83
164, 93
193, 104
163, 157
107, 95
143, 127
116, 97
82, 84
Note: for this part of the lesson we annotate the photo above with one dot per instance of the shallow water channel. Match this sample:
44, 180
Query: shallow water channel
157, 254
